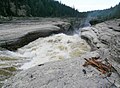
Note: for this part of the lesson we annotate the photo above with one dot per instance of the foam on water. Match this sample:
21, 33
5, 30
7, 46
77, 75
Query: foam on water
56, 47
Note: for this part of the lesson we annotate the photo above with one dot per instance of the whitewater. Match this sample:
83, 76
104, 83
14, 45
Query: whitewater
52, 48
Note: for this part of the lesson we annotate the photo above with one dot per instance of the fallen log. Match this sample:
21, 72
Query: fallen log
99, 65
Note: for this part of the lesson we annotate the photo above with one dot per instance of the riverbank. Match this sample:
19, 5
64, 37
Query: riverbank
26, 32
17, 33
70, 73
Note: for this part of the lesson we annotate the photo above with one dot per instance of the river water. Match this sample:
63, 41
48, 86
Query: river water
42, 50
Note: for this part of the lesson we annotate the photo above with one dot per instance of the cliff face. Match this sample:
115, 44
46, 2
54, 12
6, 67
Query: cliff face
70, 73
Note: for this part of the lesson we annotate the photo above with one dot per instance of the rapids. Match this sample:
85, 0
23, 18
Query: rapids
52, 48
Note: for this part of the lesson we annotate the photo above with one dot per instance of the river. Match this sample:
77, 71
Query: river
52, 48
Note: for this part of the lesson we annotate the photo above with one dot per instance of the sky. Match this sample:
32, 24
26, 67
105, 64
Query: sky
88, 5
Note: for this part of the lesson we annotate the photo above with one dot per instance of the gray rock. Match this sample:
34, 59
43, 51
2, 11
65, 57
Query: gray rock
107, 35
90, 34
70, 73
61, 74
100, 35
16, 35
115, 48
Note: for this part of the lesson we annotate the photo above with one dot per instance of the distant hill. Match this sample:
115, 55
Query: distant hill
35, 8
103, 15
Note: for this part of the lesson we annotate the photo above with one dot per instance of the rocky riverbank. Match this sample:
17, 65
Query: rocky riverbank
20, 31
17, 33
104, 39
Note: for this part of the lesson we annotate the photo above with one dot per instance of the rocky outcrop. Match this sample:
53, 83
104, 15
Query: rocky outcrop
101, 34
90, 36
115, 48
70, 73
16, 35
61, 74
105, 36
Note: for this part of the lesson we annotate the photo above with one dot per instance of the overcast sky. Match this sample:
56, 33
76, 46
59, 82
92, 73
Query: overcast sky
88, 5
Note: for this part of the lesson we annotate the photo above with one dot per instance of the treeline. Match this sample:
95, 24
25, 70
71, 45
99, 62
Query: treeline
53, 8
103, 15
36, 8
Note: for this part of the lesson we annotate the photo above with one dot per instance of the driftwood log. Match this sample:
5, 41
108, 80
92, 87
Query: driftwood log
98, 64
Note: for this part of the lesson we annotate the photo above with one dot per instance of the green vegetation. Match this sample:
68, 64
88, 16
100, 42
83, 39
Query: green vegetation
35, 8
103, 15
52, 8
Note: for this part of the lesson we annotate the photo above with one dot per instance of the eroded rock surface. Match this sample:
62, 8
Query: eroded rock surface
70, 73
61, 74
106, 38
17, 34
104, 35
101, 34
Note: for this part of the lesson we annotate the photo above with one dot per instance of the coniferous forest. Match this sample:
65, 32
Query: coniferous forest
52, 8
35, 8
103, 15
